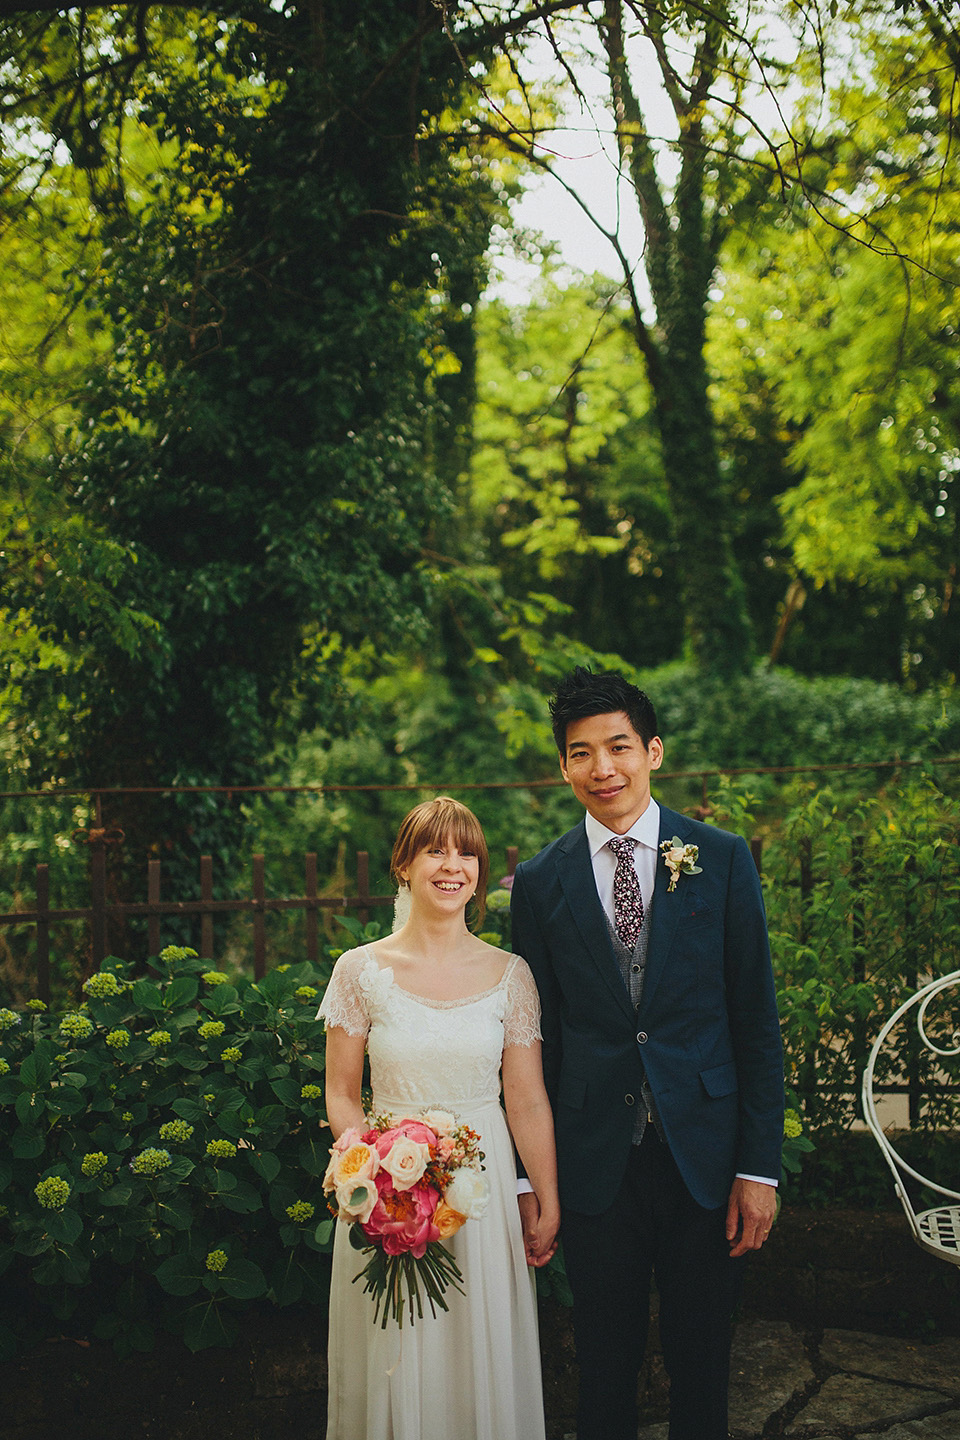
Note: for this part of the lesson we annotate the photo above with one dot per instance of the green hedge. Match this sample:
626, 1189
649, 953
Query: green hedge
163, 1148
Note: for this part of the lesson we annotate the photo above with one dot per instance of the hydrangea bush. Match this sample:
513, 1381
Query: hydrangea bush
162, 1153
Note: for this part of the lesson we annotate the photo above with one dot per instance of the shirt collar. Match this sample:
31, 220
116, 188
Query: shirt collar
645, 830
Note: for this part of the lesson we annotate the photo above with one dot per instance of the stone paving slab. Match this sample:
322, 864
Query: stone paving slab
936, 1366
935, 1427
768, 1365
859, 1402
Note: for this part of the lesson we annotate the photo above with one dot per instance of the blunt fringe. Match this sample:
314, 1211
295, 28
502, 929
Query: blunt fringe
437, 822
585, 693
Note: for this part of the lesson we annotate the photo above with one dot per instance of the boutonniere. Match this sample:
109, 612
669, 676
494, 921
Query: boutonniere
679, 859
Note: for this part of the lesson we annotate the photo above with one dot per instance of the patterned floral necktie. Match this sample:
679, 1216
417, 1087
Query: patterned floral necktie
627, 900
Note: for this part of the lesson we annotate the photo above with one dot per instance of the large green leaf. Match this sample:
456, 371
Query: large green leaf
243, 1280
181, 1274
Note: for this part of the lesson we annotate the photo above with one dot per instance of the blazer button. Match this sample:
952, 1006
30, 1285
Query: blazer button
642, 1037
629, 1100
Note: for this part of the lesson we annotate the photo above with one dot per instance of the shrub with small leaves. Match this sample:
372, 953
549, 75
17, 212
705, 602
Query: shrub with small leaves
53, 1193
140, 1164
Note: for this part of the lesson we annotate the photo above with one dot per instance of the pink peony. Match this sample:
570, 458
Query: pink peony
402, 1220
412, 1129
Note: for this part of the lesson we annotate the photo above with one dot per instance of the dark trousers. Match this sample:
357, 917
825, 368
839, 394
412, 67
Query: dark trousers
654, 1226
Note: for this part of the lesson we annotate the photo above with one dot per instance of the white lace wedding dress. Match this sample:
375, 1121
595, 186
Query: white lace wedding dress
473, 1372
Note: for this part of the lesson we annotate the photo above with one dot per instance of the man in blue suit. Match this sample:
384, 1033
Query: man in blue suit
647, 937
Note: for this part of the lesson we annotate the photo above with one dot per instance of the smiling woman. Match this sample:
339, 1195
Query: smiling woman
447, 1020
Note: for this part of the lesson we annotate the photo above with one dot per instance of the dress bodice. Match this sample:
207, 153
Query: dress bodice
431, 1052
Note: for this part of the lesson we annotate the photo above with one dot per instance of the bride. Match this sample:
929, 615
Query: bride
446, 1020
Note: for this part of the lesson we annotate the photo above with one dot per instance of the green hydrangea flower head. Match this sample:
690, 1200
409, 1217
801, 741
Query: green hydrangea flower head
150, 1161
38, 1006
127, 1116
76, 1027
792, 1125
171, 954
334, 953
209, 1097
4, 1068
282, 969
159, 1037
306, 992
311, 1092
217, 1261
93, 1163
221, 1149
214, 977
118, 1039
232, 1053
210, 1029
102, 985
53, 1193
177, 1131
9, 1018
300, 1212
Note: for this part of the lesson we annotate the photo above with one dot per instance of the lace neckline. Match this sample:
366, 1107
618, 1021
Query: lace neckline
387, 972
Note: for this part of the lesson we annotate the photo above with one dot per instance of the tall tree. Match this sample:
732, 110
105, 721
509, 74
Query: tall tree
258, 447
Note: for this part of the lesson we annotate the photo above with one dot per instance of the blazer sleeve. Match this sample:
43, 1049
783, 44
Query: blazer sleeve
527, 939
753, 1019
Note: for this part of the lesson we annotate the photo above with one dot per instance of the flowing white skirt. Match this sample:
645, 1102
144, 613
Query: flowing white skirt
470, 1373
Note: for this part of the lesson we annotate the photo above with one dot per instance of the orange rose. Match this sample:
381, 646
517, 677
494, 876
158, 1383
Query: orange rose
447, 1220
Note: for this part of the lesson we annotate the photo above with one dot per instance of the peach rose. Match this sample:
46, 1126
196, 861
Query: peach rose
358, 1162
447, 1220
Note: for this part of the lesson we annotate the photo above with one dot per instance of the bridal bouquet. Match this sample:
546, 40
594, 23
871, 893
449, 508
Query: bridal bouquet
405, 1185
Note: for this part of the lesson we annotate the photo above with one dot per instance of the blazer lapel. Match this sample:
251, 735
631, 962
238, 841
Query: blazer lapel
580, 889
665, 917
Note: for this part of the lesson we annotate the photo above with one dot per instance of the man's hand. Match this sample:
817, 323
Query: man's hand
539, 1231
750, 1214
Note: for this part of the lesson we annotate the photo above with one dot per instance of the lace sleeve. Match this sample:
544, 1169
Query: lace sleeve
521, 1023
343, 1003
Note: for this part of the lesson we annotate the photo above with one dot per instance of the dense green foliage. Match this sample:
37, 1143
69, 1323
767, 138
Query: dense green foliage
163, 1149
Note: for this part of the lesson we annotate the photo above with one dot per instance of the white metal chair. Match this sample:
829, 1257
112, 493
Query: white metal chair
936, 1230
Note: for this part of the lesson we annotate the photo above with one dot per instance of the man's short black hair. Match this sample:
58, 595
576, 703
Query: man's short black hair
582, 694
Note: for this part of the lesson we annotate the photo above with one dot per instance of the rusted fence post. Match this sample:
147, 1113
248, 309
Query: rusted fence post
259, 920
43, 933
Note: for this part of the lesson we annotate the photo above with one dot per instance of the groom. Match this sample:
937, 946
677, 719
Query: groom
661, 1050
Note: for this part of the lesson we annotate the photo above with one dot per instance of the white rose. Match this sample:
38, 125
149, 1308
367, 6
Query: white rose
356, 1199
468, 1192
440, 1120
405, 1162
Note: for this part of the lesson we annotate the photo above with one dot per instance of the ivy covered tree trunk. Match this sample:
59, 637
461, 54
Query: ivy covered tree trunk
259, 444
680, 251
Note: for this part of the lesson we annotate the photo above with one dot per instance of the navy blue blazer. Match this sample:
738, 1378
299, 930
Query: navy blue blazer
706, 1033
